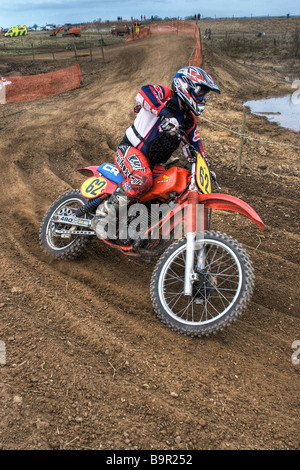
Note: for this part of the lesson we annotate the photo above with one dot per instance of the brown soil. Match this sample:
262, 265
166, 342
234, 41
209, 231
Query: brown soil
88, 364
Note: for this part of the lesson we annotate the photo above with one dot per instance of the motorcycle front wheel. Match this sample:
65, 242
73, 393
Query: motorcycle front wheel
223, 283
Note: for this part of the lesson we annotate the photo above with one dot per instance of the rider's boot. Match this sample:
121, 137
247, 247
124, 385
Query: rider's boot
106, 214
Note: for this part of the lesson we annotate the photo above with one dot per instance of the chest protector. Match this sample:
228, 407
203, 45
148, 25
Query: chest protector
160, 148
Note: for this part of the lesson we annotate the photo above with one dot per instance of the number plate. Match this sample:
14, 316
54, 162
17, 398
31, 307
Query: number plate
93, 187
203, 175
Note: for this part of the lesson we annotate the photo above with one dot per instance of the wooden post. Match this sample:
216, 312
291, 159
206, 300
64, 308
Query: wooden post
242, 138
91, 53
32, 50
102, 47
75, 50
200, 39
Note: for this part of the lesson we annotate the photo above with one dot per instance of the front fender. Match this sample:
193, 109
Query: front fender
210, 201
230, 203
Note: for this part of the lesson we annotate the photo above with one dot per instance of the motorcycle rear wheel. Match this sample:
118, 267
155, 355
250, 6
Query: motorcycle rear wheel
221, 290
58, 246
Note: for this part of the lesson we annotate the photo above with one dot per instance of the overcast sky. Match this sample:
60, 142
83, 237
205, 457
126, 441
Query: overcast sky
42, 12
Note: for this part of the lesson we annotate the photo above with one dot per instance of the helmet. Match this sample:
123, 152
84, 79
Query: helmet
191, 84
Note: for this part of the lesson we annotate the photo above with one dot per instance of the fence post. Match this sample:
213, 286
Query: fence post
102, 47
242, 138
91, 53
200, 39
75, 50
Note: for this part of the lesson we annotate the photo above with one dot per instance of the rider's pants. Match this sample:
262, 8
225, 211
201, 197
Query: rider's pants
135, 168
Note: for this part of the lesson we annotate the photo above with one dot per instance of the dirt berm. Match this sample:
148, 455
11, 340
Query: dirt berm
88, 364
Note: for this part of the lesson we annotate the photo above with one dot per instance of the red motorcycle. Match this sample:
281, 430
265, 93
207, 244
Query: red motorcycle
203, 279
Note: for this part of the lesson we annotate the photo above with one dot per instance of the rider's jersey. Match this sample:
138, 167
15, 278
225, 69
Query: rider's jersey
146, 133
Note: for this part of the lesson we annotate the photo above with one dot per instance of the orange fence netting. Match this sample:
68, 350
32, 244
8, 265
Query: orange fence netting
32, 87
173, 27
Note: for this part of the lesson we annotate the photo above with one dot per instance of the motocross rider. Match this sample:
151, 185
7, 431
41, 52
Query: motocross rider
152, 139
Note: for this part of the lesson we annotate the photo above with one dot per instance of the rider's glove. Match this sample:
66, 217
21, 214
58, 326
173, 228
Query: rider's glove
169, 123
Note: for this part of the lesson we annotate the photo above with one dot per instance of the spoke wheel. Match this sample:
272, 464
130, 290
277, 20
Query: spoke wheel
222, 285
60, 245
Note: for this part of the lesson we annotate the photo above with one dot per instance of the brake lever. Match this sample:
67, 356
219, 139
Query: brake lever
214, 178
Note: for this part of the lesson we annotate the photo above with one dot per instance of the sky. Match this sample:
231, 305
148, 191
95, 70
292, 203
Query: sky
59, 12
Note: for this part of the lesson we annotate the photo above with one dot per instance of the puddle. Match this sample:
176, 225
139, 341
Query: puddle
285, 111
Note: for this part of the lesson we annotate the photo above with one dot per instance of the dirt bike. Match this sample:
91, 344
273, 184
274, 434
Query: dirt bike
203, 279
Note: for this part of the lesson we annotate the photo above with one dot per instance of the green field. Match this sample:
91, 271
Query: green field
35, 43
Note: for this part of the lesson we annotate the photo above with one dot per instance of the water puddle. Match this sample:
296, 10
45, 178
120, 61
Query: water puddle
285, 111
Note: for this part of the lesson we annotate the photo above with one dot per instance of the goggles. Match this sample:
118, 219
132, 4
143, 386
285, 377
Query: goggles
200, 91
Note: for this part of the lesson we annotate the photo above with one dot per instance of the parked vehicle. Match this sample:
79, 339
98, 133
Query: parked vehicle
16, 31
120, 30
68, 30
50, 27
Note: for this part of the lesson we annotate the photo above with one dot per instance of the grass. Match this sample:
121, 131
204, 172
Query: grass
33, 44
251, 45
237, 44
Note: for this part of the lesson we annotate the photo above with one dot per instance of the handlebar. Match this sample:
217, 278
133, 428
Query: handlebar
182, 135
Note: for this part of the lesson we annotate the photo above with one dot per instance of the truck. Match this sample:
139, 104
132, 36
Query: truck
16, 31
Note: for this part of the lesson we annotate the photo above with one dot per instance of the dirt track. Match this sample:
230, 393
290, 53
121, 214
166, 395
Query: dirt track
88, 364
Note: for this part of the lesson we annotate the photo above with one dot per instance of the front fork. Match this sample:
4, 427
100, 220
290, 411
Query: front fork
194, 226
189, 263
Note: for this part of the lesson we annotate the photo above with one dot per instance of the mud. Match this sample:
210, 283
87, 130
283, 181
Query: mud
88, 364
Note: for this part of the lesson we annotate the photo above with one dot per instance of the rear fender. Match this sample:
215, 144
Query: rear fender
96, 184
89, 171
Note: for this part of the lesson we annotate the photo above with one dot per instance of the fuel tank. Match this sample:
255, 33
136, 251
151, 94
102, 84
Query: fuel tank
174, 179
